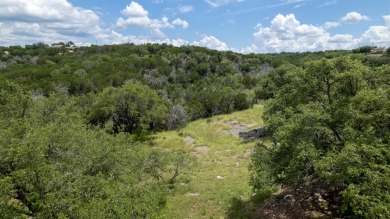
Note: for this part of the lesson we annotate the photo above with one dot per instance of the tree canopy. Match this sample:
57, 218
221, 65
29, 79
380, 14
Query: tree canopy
331, 120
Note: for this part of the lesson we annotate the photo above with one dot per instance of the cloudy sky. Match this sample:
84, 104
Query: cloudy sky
245, 26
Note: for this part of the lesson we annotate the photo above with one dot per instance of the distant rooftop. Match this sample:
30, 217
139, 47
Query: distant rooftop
379, 50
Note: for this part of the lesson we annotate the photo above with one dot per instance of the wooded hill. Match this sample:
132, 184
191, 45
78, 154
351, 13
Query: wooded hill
75, 124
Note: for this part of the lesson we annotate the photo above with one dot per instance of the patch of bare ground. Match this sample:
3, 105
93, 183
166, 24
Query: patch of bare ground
189, 140
200, 149
192, 194
309, 199
236, 128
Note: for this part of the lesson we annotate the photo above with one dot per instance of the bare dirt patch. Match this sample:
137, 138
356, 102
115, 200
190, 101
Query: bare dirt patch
189, 140
236, 128
204, 149
192, 194
200, 149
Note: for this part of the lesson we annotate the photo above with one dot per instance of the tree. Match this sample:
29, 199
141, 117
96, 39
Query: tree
330, 122
52, 165
177, 117
133, 108
363, 49
274, 80
70, 43
241, 102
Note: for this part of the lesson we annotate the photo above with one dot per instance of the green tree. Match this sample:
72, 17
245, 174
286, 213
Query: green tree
330, 122
133, 108
52, 165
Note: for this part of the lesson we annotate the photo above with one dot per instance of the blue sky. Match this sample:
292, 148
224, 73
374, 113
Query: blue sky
245, 26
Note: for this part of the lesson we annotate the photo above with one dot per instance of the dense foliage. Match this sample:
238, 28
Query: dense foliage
193, 82
53, 166
330, 119
132, 108
75, 124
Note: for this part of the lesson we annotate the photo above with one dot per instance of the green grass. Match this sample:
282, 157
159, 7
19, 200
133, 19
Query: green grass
199, 193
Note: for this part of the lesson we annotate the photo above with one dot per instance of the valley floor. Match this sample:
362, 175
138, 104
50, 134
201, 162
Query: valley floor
220, 177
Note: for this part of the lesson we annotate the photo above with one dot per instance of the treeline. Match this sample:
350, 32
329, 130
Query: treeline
197, 81
330, 121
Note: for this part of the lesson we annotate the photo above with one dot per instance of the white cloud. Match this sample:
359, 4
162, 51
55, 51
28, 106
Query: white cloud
341, 41
379, 35
212, 43
328, 25
286, 33
41, 10
180, 22
250, 49
117, 38
217, 3
177, 42
138, 16
354, 18
29, 21
328, 3
288, 28
387, 20
135, 10
133, 21
340, 38
185, 8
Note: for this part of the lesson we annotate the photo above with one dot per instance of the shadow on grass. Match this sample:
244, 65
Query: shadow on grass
241, 209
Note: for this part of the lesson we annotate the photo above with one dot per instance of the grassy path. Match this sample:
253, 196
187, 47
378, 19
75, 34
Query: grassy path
221, 174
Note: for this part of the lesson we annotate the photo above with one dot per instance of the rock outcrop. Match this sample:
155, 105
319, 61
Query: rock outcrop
254, 133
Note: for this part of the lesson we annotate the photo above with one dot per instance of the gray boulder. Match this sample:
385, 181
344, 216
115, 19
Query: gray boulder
254, 133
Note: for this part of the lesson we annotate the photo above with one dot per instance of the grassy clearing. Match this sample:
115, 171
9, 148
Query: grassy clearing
221, 175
